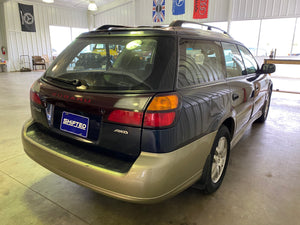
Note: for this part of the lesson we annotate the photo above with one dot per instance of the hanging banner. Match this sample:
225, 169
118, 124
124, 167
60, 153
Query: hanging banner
158, 11
178, 7
200, 9
27, 18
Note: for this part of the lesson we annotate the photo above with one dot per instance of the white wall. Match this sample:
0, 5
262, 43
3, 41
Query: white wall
2, 32
139, 12
36, 43
122, 14
218, 11
265, 9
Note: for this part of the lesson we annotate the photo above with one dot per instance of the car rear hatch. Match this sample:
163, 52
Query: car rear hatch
101, 100
88, 118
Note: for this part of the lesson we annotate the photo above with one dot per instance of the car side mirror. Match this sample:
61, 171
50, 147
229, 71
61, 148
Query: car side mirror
268, 68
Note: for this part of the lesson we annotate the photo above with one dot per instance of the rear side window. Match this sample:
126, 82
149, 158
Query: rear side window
250, 62
233, 59
200, 61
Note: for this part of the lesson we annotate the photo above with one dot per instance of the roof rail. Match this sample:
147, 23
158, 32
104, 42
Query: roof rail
159, 26
191, 24
109, 27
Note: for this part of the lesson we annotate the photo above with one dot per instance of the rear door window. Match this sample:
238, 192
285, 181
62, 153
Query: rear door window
233, 60
200, 62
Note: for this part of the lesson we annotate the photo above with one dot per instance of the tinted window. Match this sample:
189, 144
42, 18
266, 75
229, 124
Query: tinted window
199, 62
132, 56
234, 63
250, 62
116, 64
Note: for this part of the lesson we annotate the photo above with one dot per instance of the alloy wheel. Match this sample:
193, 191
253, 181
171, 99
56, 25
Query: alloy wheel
219, 160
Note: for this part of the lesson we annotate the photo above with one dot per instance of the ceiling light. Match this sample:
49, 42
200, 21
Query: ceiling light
48, 1
92, 6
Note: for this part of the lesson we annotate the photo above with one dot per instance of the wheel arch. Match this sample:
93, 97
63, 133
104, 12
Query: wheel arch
229, 123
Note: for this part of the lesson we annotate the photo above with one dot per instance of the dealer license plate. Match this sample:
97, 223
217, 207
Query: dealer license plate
74, 124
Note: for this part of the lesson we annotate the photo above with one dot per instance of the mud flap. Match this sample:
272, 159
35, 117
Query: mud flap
200, 184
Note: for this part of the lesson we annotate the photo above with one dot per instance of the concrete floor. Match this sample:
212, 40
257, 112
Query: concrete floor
261, 187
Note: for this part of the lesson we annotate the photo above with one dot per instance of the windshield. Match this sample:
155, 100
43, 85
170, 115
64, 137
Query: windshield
115, 64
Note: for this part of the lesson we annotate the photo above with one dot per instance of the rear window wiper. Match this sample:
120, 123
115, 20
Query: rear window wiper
74, 82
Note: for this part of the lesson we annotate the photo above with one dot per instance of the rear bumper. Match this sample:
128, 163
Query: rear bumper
151, 178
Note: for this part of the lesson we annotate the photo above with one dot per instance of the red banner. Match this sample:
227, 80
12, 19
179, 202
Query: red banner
200, 9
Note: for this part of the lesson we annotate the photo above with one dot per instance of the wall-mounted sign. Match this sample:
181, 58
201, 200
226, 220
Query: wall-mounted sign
159, 11
178, 7
27, 17
200, 9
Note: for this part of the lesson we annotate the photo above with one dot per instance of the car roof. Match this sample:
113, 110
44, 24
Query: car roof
176, 28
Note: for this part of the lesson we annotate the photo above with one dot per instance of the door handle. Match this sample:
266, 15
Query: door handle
235, 96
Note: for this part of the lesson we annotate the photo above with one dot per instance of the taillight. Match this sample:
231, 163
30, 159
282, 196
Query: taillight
161, 112
34, 97
160, 103
126, 117
34, 90
159, 119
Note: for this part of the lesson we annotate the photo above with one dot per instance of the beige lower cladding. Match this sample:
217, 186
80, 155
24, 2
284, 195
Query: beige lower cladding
152, 178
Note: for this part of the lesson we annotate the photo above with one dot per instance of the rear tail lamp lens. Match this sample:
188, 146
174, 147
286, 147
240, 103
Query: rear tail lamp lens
159, 119
34, 97
126, 117
163, 103
160, 113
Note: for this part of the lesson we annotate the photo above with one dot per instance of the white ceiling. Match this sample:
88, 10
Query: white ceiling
81, 4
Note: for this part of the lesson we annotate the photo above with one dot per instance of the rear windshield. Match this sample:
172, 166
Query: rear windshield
112, 64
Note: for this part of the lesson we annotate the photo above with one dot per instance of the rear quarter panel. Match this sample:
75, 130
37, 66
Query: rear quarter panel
203, 109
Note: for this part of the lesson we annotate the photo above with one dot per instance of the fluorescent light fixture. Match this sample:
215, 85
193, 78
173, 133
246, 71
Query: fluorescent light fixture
48, 1
92, 6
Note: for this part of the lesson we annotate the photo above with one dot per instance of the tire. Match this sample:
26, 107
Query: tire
265, 109
215, 167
